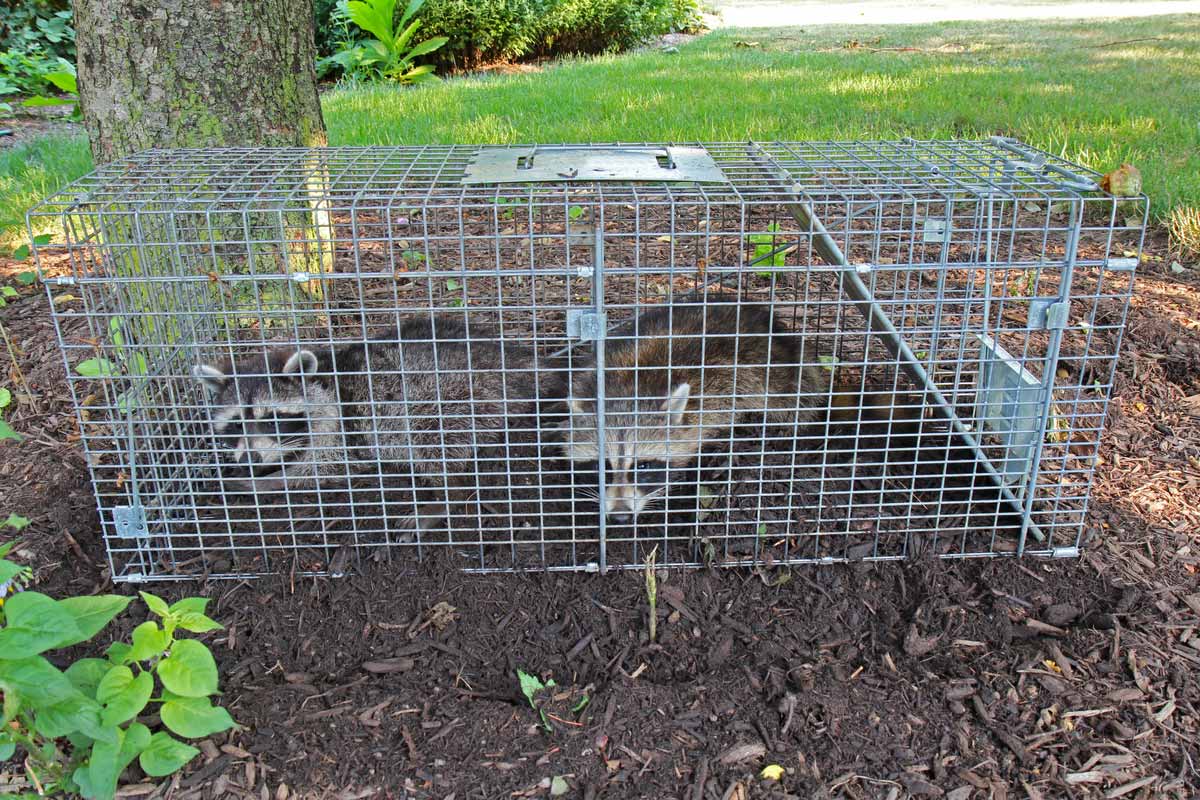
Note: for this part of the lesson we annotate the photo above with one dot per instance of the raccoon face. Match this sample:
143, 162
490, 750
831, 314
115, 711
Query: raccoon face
644, 440
265, 411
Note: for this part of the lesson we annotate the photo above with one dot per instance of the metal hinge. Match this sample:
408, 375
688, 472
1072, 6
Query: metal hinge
1065, 552
586, 325
1048, 314
130, 522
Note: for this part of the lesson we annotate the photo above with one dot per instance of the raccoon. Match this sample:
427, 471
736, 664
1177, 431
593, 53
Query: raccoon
437, 399
678, 378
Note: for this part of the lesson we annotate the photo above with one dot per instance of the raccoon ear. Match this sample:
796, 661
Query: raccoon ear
677, 403
300, 362
210, 377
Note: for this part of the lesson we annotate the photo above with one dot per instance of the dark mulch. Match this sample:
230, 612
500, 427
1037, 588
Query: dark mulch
978, 679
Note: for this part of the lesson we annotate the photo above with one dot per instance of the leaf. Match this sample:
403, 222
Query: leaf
531, 685
6, 750
42, 238
92, 614
36, 680
16, 521
374, 17
427, 46
453, 284
194, 717
27, 277
189, 670
115, 681
76, 714
9, 291
6, 432
155, 603
9, 571
192, 604
109, 759
5, 398
771, 772
40, 100
165, 754
149, 641
129, 701
198, 623
85, 674
35, 623
63, 81
559, 786
575, 212
21, 253
96, 368
118, 653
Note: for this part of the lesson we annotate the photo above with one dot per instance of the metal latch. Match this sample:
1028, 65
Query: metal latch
575, 163
937, 231
1048, 314
130, 522
586, 325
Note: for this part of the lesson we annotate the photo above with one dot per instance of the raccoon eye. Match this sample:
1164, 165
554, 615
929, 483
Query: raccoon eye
651, 472
290, 423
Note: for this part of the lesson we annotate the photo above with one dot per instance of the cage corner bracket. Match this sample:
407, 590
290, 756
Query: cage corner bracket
130, 522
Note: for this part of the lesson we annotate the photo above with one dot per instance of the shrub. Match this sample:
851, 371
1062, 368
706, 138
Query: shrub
482, 31
79, 727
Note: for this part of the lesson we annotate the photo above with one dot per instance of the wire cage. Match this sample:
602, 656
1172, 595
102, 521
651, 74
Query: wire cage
565, 356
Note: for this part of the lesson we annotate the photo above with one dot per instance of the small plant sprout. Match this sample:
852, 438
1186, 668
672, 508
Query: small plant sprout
652, 592
765, 251
531, 686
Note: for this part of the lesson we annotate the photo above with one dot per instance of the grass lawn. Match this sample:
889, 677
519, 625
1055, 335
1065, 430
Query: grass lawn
1100, 93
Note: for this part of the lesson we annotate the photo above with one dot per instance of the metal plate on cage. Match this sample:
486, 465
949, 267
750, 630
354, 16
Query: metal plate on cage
558, 164
1009, 407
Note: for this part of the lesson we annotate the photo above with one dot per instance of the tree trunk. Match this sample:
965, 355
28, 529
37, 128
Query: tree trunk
196, 73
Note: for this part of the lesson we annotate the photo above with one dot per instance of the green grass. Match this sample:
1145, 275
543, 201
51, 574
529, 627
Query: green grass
31, 171
1062, 86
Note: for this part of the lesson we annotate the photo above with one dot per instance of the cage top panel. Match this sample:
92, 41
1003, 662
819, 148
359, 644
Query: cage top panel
352, 178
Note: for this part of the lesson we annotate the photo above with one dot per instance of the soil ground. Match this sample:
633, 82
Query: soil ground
971, 679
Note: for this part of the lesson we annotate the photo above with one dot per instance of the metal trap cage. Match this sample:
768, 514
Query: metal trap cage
561, 357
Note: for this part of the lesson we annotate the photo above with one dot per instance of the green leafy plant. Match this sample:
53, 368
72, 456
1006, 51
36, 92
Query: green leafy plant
765, 249
531, 685
6, 430
390, 54
79, 727
65, 81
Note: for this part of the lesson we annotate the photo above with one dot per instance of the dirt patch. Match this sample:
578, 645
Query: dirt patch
973, 679
50, 120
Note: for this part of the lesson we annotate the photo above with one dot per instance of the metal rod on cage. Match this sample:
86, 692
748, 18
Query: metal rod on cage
1074, 179
880, 324
599, 344
1053, 348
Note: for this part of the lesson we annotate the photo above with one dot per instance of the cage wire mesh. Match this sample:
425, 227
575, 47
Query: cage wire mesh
780, 353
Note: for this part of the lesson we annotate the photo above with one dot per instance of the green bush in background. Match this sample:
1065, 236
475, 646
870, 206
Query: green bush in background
483, 31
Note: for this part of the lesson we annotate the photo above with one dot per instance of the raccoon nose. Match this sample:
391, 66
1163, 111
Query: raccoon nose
622, 519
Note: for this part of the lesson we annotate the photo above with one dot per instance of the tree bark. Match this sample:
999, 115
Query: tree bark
196, 73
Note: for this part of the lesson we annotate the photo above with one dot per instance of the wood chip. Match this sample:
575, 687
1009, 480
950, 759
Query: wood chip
742, 752
1133, 786
1091, 776
389, 665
